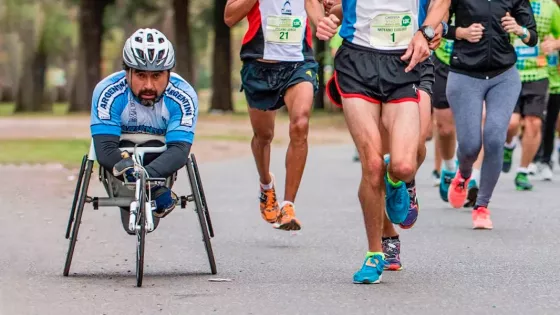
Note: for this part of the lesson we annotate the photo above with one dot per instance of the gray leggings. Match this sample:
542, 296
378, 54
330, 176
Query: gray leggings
466, 95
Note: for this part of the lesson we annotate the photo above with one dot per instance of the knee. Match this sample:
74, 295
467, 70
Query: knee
533, 126
403, 169
514, 123
264, 137
445, 129
299, 128
470, 150
373, 168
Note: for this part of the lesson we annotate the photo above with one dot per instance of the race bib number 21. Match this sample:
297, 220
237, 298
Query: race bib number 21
282, 29
390, 30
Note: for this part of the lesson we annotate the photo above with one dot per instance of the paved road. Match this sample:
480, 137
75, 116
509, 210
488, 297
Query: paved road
449, 268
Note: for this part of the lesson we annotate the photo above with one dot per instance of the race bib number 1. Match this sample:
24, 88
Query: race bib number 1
284, 29
390, 30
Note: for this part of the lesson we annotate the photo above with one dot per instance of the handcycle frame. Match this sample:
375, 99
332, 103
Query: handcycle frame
140, 217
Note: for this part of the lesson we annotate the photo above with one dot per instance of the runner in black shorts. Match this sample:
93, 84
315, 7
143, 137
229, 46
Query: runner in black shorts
278, 69
378, 85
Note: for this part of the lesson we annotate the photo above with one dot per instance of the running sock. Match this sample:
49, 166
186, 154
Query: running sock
369, 254
512, 144
268, 186
476, 175
523, 170
286, 203
449, 165
389, 238
394, 184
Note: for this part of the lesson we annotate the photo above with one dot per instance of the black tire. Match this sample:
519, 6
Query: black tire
76, 196
141, 234
199, 209
82, 200
202, 196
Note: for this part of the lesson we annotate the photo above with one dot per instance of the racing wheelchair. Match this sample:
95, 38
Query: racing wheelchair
135, 199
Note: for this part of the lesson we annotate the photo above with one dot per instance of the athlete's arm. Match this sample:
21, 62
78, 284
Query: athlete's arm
237, 10
337, 10
183, 115
108, 102
436, 12
524, 17
315, 11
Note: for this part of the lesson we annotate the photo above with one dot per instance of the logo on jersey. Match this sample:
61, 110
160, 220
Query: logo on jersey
296, 23
107, 98
406, 20
287, 8
184, 101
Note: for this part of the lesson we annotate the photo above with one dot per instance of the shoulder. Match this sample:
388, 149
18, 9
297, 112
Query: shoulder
108, 94
115, 81
181, 94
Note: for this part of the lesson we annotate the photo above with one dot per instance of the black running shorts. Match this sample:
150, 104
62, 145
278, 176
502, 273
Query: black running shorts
533, 99
374, 75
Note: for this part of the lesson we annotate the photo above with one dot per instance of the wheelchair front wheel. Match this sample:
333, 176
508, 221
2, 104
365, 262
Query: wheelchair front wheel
141, 231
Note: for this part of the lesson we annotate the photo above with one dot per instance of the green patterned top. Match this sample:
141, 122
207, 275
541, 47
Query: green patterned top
531, 61
445, 48
554, 74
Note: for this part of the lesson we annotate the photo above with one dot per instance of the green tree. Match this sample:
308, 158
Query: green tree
221, 62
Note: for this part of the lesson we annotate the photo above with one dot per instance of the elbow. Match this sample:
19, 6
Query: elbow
229, 19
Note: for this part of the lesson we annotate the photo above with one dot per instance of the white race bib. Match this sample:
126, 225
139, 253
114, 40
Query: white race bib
284, 29
391, 30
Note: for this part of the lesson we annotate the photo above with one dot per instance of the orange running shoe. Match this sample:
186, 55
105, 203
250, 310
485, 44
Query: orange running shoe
481, 218
287, 220
457, 193
270, 210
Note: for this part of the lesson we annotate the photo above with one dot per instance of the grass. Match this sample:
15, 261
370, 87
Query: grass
41, 151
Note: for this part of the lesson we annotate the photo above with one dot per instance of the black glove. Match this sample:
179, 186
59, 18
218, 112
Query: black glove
125, 167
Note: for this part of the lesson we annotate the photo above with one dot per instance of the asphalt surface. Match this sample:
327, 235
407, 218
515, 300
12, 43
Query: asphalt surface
448, 267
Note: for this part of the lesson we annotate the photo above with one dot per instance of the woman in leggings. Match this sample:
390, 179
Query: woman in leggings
483, 69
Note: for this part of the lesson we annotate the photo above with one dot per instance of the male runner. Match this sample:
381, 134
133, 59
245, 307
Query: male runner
531, 106
278, 69
373, 71
149, 105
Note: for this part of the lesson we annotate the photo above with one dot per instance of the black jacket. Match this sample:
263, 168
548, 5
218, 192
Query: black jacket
494, 53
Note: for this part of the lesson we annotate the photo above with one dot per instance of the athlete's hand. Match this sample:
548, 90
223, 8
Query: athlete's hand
510, 25
434, 44
418, 51
327, 27
472, 33
549, 45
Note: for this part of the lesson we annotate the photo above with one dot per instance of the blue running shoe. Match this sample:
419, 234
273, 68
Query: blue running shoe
371, 270
445, 181
397, 199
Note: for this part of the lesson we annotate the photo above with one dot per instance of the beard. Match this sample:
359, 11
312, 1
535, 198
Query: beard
148, 97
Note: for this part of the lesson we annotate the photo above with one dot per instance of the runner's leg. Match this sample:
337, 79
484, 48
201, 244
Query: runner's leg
549, 135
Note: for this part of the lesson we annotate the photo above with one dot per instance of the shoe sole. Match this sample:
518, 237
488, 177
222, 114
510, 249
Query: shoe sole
368, 282
393, 268
523, 189
293, 225
482, 227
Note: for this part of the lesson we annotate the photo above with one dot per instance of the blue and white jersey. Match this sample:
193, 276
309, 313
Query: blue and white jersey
382, 24
115, 110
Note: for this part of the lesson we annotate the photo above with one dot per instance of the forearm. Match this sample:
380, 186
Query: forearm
337, 11
173, 159
107, 150
315, 11
437, 11
237, 10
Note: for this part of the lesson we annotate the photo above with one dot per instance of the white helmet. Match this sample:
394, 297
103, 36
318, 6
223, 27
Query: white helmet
149, 50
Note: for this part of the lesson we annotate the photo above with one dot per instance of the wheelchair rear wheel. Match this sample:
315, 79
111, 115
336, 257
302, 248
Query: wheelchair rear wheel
141, 231
199, 208
79, 211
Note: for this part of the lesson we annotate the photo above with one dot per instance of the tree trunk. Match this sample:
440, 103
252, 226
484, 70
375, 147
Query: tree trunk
320, 53
221, 63
183, 42
88, 71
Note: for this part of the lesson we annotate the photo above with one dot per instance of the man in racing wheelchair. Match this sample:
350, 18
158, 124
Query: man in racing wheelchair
144, 100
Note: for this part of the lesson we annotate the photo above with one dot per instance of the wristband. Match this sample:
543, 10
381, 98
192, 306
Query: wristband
445, 28
525, 33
